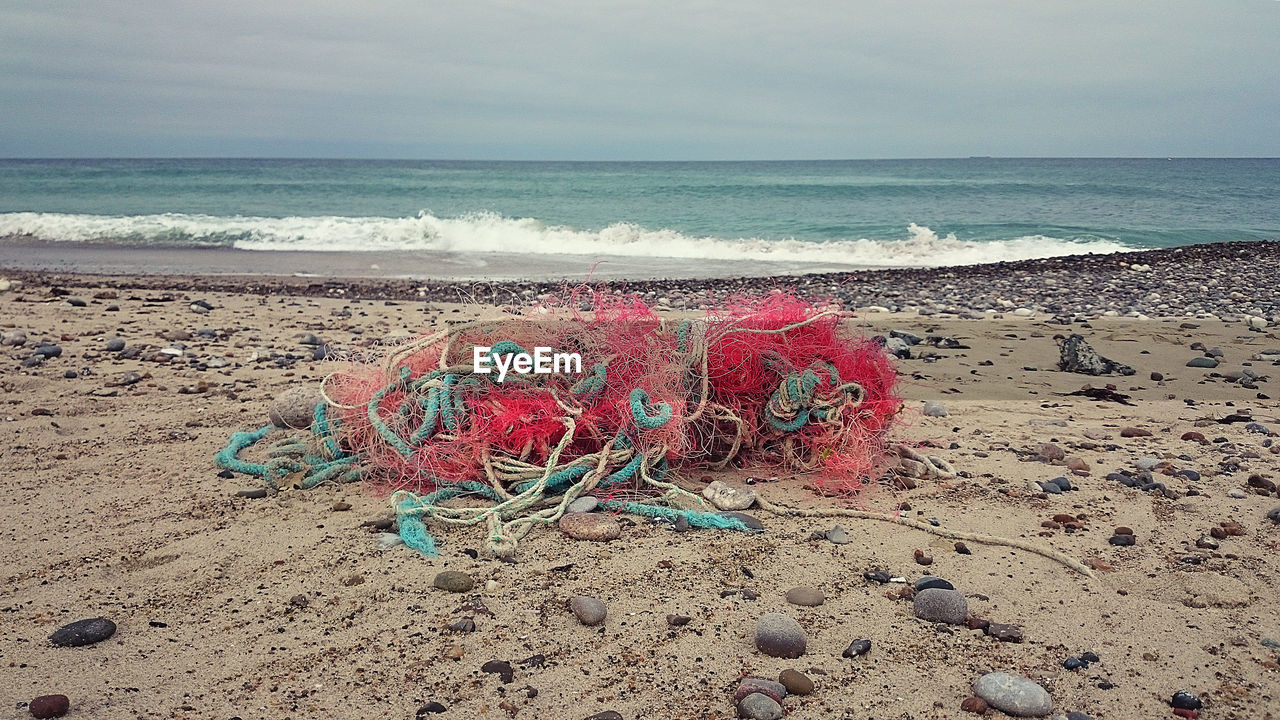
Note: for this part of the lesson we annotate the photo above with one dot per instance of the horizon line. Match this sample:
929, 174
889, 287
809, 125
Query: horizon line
607, 160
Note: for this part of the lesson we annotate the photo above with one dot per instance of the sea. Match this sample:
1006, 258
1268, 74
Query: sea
833, 214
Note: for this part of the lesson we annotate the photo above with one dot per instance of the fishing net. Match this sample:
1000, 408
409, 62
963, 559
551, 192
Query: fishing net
632, 403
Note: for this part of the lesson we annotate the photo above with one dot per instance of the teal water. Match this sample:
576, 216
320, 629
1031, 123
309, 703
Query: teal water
886, 212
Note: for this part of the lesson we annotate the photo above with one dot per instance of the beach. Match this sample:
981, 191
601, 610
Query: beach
284, 606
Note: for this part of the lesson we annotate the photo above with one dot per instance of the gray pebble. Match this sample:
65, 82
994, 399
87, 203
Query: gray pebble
454, 581
386, 541
83, 632
588, 610
1274, 514
780, 636
294, 408
758, 706
935, 409
930, 581
806, 596
583, 504
1202, 362
115, 345
1016, 696
252, 493
941, 606
838, 535
751, 521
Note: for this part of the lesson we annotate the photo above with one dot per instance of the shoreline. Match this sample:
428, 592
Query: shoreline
1196, 281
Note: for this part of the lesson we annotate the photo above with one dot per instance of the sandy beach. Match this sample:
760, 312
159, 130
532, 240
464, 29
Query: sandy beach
284, 606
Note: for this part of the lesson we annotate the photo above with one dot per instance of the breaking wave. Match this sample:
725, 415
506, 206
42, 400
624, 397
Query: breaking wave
492, 233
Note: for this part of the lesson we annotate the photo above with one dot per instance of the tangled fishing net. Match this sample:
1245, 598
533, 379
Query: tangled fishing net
773, 381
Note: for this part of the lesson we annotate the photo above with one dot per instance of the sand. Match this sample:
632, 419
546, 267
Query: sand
116, 509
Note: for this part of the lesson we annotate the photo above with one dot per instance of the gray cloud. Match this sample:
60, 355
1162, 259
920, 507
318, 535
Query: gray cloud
639, 79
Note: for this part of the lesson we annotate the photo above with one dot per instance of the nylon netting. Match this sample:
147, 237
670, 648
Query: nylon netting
772, 382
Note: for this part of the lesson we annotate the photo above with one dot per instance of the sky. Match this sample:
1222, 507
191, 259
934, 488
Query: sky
646, 79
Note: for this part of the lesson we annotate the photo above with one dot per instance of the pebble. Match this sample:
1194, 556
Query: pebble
454, 581
1207, 543
750, 521
1016, 696
941, 606
975, 705
501, 668
1005, 632
15, 338
726, 497
431, 708
606, 715
857, 648
1122, 540
583, 504
929, 581
1050, 452
796, 682
48, 351
1131, 432
1062, 483
1073, 663
115, 345
1185, 701
588, 610
806, 596
877, 576
252, 493
49, 706
935, 409
590, 526
758, 706
83, 632
1274, 514
1202, 362
1236, 494
838, 535
294, 408
778, 635
749, 685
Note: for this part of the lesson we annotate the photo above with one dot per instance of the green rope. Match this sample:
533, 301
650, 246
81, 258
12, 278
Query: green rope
640, 411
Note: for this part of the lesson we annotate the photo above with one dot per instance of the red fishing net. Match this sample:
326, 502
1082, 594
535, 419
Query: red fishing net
774, 382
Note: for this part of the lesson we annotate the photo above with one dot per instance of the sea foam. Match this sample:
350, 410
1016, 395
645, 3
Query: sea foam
492, 233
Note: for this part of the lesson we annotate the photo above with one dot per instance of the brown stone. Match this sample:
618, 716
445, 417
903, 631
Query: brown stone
1131, 432
1195, 437
974, 704
49, 706
1232, 528
796, 682
595, 527
1050, 452
1124, 530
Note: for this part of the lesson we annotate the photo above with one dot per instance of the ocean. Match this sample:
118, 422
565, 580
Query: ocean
859, 213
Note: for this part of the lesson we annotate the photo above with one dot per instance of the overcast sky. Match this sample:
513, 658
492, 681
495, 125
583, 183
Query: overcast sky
646, 79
